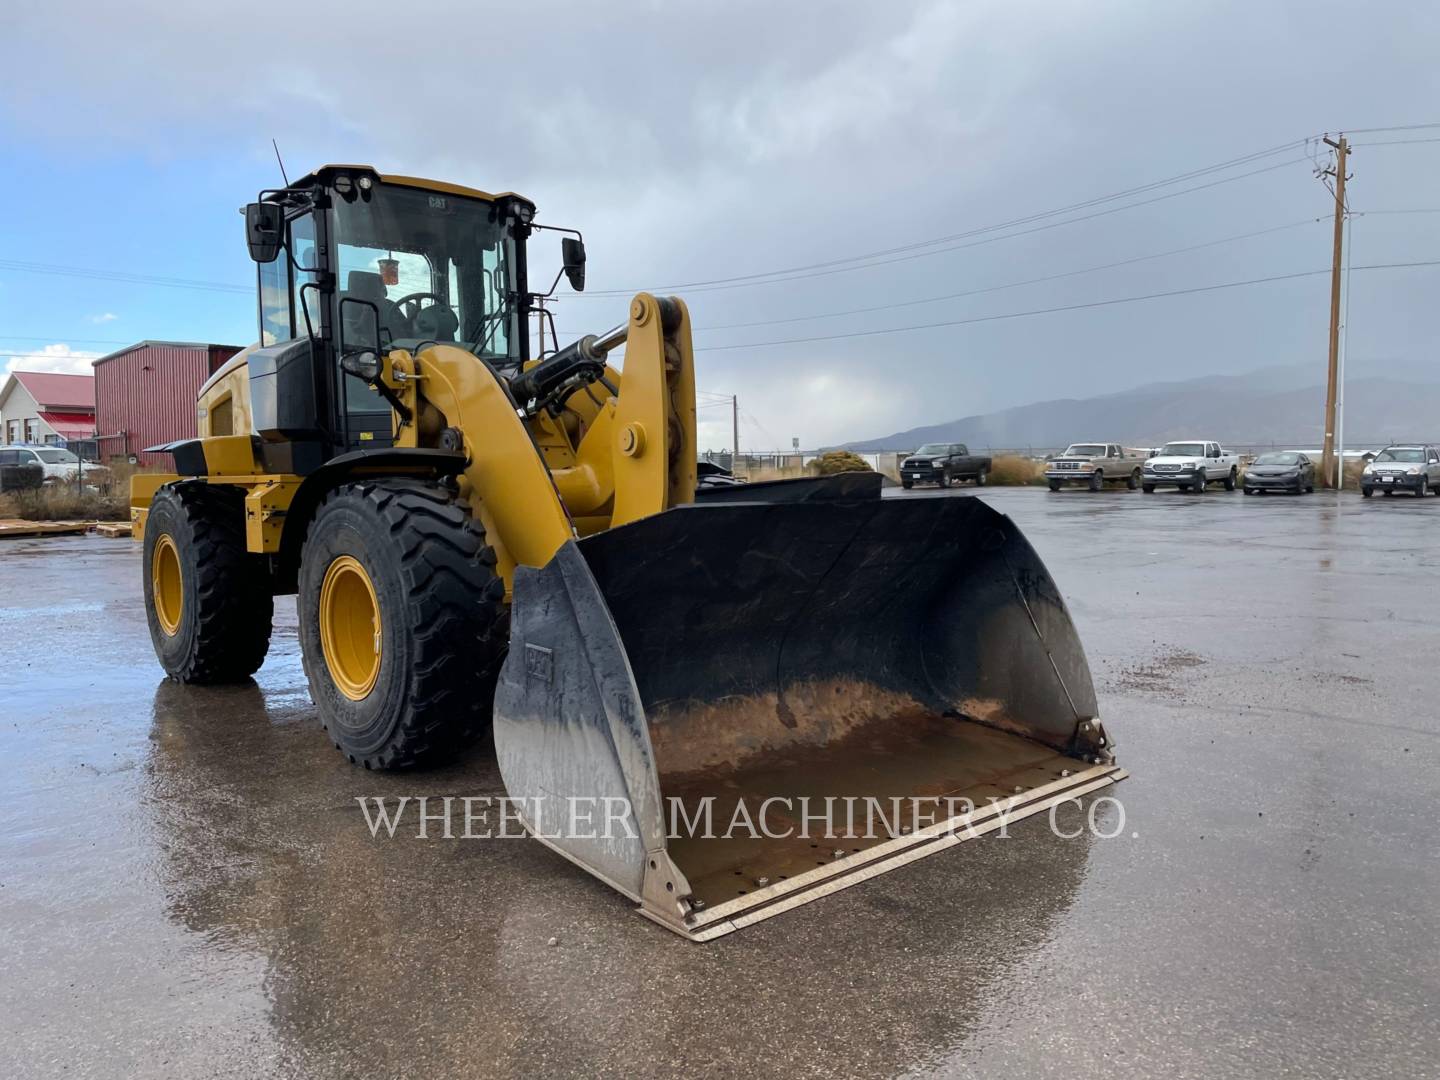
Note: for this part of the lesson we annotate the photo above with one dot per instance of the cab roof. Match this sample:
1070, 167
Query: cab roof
326, 173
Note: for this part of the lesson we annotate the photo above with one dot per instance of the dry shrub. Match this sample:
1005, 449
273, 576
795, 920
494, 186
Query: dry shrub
66, 502
1010, 470
838, 461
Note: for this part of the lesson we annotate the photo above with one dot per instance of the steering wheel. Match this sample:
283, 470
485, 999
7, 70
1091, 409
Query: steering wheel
438, 321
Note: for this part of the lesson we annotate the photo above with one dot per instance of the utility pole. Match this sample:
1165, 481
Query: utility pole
735, 434
1327, 455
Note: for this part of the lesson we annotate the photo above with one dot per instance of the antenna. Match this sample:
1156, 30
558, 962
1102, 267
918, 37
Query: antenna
280, 162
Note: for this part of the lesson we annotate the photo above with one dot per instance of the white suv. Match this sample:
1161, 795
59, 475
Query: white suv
59, 465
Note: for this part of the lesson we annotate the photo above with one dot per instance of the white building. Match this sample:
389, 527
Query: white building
42, 407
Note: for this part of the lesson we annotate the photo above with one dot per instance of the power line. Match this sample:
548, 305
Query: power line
1015, 284
123, 277
1055, 310
1400, 127
773, 277
1396, 142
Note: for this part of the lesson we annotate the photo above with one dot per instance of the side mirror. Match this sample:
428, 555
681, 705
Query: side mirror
572, 249
264, 230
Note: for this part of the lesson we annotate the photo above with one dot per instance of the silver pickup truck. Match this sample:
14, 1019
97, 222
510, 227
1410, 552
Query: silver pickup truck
1095, 465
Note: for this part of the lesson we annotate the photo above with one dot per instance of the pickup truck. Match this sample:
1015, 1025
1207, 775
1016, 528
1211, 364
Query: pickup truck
1191, 465
1095, 464
939, 463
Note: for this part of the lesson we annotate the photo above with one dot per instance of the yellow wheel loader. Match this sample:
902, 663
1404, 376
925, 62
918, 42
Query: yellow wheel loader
724, 701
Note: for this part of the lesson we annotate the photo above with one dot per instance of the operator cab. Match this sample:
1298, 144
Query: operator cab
364, 262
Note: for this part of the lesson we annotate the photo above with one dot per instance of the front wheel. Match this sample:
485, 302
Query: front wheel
1367, 492
906, 484
1148, 489
403, 627
1198, 485
944, 480
1424, 488
1230, 481
1054, 485
1097, 480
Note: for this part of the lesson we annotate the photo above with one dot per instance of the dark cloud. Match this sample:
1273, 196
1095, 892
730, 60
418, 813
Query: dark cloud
701, 141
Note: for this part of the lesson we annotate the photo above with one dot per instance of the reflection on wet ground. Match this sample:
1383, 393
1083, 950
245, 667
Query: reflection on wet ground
187, 887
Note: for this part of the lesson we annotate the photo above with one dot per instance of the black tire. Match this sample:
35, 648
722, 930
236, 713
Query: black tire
944, 480
1097, 480
906, 484
1424, 488
1055, 485
1148, 489
1250, 491
982, 478
1367, 492
222, 629
1197, 487
1134, 481
444, 627
1230, 481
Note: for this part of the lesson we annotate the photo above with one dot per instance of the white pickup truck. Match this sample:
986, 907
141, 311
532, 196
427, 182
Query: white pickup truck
1190, 465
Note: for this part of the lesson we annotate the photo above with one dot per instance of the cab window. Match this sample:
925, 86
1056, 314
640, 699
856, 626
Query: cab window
281, 315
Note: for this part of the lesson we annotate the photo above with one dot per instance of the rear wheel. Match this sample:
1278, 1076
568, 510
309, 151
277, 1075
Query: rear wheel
982, 478
402, 622
1230, 481
1134, 481
207, 600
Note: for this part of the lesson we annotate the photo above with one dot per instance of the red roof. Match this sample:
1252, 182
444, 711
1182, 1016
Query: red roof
70, 425
58, 391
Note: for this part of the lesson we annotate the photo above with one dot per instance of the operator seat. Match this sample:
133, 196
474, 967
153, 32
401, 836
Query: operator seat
369, 286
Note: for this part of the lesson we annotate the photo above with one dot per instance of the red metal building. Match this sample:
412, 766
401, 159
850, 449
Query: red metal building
145, 395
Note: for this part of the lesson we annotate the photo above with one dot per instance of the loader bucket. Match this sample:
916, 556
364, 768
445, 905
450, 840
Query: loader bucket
909, 660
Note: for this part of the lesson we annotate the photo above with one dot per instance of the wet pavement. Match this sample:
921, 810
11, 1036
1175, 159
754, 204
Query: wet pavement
187, 887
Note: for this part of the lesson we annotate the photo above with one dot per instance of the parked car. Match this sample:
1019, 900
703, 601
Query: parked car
58, 464
1414, 468
1190, 466
1095, 464
1280, 470
940, 463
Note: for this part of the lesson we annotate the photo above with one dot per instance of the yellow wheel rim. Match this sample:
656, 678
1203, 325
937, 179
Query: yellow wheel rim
166, 584
350, 627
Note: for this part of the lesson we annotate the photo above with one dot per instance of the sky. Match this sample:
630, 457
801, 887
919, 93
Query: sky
695, 143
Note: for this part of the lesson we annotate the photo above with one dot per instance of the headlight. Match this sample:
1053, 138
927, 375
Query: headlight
1368, 469
1414, 470
1086, 466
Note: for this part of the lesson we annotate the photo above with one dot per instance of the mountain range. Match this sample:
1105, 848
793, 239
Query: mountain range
1281, 405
